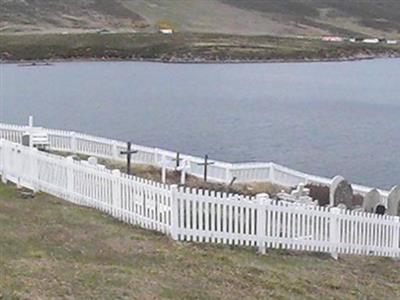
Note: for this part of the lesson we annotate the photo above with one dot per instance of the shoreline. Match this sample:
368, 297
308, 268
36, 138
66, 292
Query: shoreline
184, 48
49, 62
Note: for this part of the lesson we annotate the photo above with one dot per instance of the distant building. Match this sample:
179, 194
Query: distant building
370, 41
166, 31
391, 42
332, 39
104, 31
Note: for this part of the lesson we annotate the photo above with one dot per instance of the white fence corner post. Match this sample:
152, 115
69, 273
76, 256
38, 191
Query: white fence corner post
163, 169
70, 178
174, 212
334, 237
116, 194
261, 221
74, 147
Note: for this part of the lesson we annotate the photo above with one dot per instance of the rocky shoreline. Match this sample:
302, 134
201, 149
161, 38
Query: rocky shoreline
183, 48
177, 60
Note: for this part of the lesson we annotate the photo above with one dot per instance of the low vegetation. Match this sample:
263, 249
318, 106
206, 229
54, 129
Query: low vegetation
182, 47
52, 249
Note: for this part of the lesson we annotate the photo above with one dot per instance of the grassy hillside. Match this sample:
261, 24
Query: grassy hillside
60, 15
253, 17
336, 16
51, 249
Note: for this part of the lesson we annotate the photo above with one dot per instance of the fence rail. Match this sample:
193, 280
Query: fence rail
201, 215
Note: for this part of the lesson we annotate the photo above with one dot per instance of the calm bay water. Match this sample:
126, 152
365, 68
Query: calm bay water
322, 118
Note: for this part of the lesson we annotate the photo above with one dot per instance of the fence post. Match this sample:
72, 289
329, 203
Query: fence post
228, 175
116, 194
396, 240
115, 153
163, 169
73, 143
272, 173
334, 232
34, 168
174, 212
70, 178
3, 162
261, 221
156, 153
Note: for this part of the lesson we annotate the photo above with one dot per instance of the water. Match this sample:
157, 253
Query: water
321, 118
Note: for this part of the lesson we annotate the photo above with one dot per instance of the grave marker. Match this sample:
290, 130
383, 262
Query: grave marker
371, 200
206, 164
128, 154
341, 192
394, 201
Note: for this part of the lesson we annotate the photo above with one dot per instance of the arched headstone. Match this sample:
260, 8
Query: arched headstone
341, 192
335, 181
371, 200
394, 201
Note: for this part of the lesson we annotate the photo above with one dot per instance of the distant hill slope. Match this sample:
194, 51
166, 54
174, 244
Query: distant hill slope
336, 16
53, 15
250, 17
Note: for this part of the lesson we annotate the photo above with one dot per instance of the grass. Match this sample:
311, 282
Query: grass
50, 249
250, 17
181, 47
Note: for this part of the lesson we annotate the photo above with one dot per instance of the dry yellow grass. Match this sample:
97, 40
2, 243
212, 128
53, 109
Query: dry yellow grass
50, 249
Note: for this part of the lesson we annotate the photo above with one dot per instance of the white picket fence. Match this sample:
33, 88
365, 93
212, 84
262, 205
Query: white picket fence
219, 171
201, 215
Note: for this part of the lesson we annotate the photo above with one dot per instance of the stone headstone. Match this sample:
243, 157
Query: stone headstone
300, 191
341, 192
394, 201
380, 209
335, 181
371, 200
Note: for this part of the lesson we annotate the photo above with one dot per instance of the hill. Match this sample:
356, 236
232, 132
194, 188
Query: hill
60, 15
250, 17
51, 249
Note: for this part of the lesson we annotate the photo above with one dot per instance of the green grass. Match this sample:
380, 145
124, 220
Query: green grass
180, 47
50, 249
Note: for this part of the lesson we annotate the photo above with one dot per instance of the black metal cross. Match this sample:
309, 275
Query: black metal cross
206, 163
177, 159
128, 154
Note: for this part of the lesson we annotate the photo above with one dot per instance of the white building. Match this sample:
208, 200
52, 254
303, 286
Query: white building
332, 39
371, 41
391, 42
166, 31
